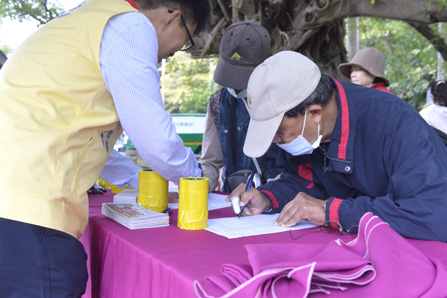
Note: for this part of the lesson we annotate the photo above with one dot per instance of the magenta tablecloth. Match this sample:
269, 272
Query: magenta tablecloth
165, 262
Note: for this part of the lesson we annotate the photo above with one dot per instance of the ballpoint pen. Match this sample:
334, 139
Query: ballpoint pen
249, 182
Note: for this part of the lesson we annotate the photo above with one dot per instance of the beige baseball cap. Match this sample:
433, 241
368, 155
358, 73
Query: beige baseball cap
277, 85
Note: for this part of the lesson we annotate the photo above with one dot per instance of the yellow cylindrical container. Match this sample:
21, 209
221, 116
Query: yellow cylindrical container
152, 191
115, 189
193, 203
103, 183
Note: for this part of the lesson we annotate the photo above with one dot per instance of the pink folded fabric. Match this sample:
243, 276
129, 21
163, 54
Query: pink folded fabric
377, 263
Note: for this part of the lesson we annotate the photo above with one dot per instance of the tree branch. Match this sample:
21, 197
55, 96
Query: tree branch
433, 37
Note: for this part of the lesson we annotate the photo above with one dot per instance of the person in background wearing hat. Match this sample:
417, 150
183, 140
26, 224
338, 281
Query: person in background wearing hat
243, 46
347, 150
66, 94
367, 68
436, 113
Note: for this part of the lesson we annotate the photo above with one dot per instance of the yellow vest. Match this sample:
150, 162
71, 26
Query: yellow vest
58, 121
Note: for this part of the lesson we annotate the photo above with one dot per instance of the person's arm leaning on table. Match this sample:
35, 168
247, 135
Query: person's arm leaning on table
212, 158
129, 66
120, 171
275, 195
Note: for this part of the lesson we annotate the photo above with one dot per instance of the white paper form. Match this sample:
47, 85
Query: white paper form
215, 201
235, 227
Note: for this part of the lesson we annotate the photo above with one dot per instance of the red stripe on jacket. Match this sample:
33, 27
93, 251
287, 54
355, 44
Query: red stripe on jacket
333, 212
305, 172
344, 121
272, 197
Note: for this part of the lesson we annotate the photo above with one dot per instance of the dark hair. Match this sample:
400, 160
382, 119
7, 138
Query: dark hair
322, 96
378, 80
193, 11
439, 92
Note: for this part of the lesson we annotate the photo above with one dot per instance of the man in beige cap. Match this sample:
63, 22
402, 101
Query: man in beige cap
347, 150
367, 68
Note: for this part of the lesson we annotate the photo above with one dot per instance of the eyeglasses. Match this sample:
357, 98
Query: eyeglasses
189, 44
330, 227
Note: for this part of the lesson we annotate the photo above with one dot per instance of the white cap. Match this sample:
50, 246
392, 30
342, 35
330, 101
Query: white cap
277, 85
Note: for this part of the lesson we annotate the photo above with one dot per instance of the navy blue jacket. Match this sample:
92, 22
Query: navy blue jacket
382, 157
240, 160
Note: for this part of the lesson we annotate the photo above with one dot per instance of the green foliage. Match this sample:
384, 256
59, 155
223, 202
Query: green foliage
41, 11
5, 49
188, 83
441, 4
411, 61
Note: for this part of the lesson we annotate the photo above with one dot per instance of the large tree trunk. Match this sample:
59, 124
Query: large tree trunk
316, 27
326, 47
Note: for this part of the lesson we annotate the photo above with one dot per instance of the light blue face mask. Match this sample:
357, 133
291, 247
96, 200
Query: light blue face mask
300, 145
242, 94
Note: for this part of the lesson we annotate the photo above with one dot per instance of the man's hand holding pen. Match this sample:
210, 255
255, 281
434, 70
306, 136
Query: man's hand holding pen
253, 201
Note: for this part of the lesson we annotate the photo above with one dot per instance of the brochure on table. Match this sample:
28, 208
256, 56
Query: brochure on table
134, 216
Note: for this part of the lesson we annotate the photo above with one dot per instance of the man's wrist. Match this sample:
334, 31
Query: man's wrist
324, 205
269, 206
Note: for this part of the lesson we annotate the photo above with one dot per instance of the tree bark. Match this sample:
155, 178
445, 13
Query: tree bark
316, 27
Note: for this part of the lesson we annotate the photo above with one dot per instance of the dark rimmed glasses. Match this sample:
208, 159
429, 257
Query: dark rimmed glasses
187, 45
330, 227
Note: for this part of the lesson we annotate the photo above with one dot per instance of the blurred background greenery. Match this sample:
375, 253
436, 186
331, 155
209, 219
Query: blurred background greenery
412, 63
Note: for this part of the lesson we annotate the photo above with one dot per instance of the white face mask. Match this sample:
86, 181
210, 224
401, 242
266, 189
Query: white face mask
300, 145
242, 94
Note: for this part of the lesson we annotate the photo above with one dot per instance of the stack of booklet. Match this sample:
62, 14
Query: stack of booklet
134, 216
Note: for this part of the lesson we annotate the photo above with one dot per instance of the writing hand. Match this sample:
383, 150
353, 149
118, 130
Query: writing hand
237, 192
303, 206
254, 201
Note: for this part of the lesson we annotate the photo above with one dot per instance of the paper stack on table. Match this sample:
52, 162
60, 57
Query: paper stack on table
134, 216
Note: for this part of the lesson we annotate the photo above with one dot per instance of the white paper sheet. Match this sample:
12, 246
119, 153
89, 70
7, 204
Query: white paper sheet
235, 227
172, 187
126, 196
215, 201
129, 196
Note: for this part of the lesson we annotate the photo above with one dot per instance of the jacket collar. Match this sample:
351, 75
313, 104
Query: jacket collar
134, 5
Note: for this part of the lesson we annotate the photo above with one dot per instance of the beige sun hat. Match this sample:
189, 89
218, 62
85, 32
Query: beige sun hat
277, 85
371, 60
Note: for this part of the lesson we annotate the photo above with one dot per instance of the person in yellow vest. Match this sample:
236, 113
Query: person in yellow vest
66, 94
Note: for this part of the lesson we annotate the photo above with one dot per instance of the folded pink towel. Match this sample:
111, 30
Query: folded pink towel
377, 263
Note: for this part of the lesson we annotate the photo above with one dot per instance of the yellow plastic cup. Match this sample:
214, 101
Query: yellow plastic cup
152, 190
193, 203
116, 189
103, 183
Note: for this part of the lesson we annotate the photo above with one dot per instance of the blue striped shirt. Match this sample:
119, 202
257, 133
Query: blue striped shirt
129, 60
